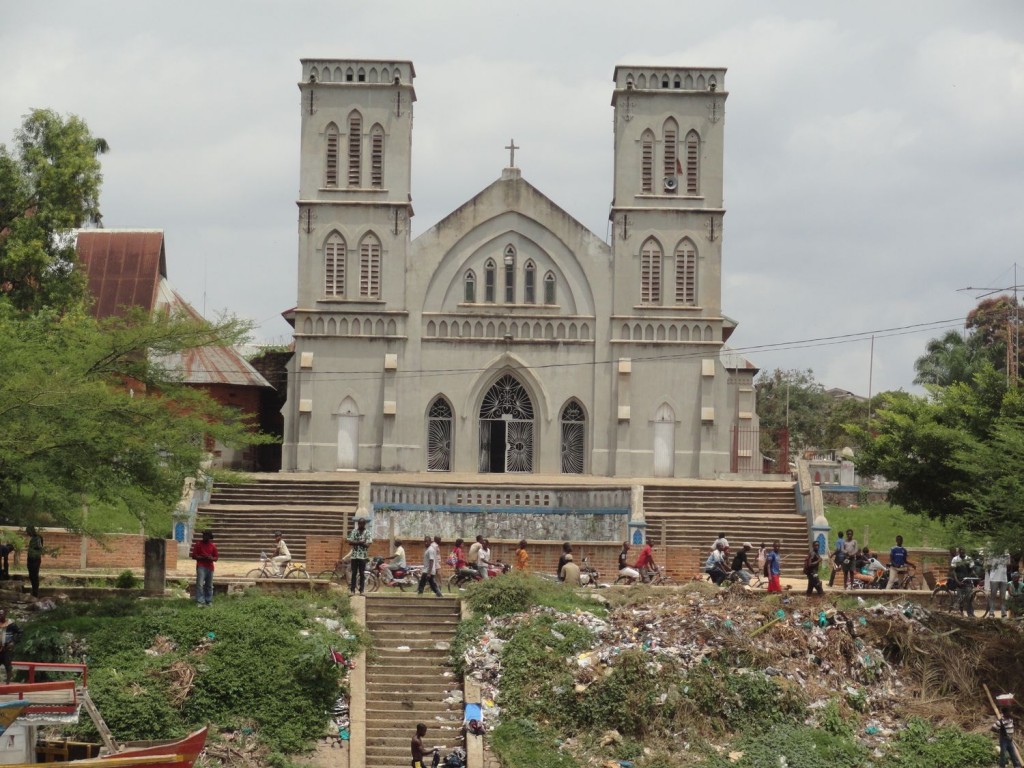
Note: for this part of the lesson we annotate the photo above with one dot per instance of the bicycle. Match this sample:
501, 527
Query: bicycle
655, 578
341, 572
268, 570
906, 578
947, 597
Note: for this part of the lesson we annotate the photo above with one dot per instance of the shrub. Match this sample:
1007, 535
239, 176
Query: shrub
737, 701
126, 580
921, 746
524, 743
517, 592
802, 747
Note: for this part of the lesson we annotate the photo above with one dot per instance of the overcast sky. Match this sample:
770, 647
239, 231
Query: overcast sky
874, 159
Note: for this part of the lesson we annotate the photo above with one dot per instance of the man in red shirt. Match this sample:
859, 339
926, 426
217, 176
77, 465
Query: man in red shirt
645, 562
205, 554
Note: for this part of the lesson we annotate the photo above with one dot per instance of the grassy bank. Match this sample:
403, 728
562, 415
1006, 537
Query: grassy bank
877, 525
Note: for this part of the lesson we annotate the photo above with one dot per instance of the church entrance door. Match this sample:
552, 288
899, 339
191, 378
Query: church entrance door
506, 427
348, 435
664, 441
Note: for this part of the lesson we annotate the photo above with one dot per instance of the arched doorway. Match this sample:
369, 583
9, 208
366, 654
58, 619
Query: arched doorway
664, 441
506, 427
348, 434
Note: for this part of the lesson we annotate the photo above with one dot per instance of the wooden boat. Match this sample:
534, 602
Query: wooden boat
179, 753
9, 711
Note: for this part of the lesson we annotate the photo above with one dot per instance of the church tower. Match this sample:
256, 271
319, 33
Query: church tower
667, 206
355, 209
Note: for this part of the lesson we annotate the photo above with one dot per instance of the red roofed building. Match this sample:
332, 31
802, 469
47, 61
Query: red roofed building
128, 268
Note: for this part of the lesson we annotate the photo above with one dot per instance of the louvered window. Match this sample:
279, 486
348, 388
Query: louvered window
692, 163
377, 157
331, 162
470, 287
650, 272
549, 288
530, 283
671, 159
510, 274
334, 266
369, 267
647, 163
686, 273
355, 149
489, 280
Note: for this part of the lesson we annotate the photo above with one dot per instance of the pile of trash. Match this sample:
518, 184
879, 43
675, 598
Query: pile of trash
822, 649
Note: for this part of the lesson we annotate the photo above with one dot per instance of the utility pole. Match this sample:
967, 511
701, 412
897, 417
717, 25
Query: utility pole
1012, 327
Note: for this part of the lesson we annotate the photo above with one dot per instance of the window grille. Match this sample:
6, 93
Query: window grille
686, 273
469, 294
530, 283
334, 266
574, 436
439, 436
369, 267
647, 163
377, 157
355, 149
331, 162
650, 272
510, 275
549, 288
692, 163
489, 280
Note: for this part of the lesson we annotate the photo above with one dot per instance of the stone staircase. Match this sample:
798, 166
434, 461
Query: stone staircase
693, 516
404, 688
245, 515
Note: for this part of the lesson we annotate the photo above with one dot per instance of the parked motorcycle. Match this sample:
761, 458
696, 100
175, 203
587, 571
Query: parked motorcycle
588, 573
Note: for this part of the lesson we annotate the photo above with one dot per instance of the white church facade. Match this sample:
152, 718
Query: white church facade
508, 338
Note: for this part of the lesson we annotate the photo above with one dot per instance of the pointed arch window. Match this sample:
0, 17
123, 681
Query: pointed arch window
509, 260
650, 272
670, 134
489, 280
331, 160
692, 163
530, 282
334, 266
469, 287
439, 436
686, 272
549, 288
369, 267
377, 157
355, 149
647, 162
574, 438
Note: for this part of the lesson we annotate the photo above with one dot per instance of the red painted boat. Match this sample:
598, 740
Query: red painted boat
180, 753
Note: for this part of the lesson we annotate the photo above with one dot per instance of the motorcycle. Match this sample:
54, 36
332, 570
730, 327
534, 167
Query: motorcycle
588, 573
468, 575
400, 577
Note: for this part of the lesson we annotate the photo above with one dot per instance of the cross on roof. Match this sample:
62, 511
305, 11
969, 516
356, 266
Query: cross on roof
511, 147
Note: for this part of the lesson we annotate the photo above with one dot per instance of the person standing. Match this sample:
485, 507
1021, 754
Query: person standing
431, 565
1003, 726
898, 562
625, 569
962, 568
474, 551
811, 565
483, 558
35, 557
773, 564
6, 548
205, 554
837, 559
995, 576
522, 557
360, 541
281, 556
417, 745
10, 633
850, 552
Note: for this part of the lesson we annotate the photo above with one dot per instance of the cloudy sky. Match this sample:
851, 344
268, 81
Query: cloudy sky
874, 150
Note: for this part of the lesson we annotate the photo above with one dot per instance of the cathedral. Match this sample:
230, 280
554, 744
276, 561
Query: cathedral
508, 338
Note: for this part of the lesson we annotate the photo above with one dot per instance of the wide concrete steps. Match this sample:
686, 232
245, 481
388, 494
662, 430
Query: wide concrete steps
410, 679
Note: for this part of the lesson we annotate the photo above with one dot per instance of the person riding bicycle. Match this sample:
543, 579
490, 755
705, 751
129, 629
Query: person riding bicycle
281, 556
715, 565
898, 562
741, 564
625, 569
962, 574
645, 564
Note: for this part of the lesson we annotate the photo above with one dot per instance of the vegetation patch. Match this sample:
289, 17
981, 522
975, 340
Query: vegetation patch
518, 592
922, 746
525, 743
159, 668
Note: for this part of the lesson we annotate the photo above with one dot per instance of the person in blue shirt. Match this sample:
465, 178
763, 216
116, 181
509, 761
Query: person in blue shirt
773, 563
898, 562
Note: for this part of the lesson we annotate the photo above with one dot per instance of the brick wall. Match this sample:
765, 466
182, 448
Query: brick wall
113, 551
682, 562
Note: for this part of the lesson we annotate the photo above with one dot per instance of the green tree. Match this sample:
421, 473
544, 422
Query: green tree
91, 412
947, 450
951, 358
792, 399
49, 185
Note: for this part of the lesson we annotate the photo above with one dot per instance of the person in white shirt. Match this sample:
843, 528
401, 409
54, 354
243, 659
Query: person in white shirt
281, 556
396, 562
996, 580
431, 565
721, 540
483, 558
716, 565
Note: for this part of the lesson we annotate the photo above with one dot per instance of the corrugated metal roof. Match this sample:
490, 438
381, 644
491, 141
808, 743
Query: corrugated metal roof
129, 268
124, 268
